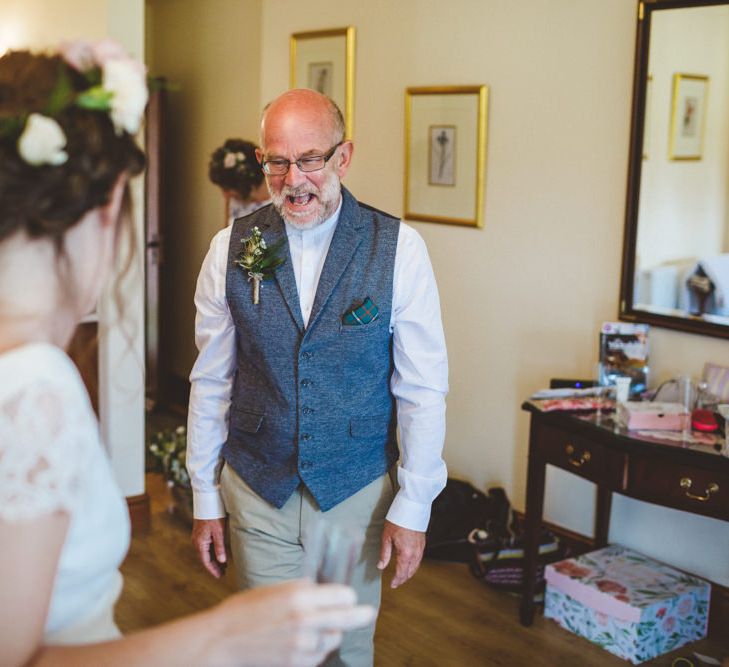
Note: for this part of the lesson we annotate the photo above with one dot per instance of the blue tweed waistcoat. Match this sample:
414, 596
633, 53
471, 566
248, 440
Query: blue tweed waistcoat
314, 405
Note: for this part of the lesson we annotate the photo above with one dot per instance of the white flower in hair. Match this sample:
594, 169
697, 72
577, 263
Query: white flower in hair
42, 141
125, 80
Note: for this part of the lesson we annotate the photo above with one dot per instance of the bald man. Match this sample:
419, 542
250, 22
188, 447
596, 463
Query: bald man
297, 398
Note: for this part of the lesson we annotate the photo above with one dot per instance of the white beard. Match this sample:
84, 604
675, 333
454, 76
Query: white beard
328, 197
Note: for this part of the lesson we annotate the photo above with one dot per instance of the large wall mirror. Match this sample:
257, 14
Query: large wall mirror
676, 255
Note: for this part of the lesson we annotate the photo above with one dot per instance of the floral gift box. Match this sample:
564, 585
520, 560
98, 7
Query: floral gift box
628, 604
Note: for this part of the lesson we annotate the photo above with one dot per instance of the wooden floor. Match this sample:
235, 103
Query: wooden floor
442, 618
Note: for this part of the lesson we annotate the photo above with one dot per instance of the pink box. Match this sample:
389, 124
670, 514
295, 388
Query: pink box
627, 603
654, 416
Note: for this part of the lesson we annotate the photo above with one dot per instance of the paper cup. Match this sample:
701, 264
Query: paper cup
622, 389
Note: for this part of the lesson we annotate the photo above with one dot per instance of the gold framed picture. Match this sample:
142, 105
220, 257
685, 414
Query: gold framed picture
445, 154
688, 116
323, 60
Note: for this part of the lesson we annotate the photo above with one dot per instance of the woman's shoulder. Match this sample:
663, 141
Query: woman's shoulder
47, 431
31, 363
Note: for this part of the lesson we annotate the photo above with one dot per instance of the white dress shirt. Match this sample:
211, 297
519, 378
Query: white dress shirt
419, 382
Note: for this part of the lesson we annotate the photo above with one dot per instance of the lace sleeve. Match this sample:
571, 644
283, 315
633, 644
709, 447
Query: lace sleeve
44, 436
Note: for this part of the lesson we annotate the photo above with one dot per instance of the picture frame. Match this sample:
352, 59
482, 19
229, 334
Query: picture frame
323, 60
445, 154
688, 116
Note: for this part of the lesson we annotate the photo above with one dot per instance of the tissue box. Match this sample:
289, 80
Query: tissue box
626, 603
653, 415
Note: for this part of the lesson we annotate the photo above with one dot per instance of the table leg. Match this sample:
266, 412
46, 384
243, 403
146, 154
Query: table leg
604, 499
532, 526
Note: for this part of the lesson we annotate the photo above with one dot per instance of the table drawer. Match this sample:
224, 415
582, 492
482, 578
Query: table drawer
683, 487
587, 458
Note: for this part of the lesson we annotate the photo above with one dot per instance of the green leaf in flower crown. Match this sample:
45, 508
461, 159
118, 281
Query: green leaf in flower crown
61, 95
96, 99
11, 126
93, 76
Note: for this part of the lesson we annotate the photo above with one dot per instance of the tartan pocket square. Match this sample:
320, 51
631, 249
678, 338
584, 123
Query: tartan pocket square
363, 314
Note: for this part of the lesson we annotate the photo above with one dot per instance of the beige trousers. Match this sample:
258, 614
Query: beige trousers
267, 547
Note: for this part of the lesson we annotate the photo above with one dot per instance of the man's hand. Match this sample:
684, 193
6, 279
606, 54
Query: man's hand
208, 537
408, 545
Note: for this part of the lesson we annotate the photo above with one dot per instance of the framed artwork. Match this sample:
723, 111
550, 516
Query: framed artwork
445, 154
442, 155
324, 61
688, 116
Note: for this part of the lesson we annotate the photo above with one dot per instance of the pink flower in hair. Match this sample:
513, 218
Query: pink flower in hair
106, 50
78, 54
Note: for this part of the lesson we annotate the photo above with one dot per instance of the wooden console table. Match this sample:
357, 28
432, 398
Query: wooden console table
690, 478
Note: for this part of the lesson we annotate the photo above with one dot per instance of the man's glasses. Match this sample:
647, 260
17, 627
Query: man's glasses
309, 163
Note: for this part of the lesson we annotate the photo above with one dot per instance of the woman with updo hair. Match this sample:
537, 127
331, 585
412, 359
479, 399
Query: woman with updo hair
67, 152
236, 171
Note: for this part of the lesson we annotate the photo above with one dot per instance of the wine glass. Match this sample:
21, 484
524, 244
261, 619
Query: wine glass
602, 390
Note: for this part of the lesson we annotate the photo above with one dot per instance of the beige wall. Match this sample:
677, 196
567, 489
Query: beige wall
42, 23
523, 299
211, 51
683, 205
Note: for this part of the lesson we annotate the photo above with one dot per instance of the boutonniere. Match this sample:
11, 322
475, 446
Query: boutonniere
258, 259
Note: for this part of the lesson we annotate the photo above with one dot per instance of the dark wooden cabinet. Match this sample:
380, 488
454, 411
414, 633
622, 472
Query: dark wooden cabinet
575, 453
679, 485
666, 472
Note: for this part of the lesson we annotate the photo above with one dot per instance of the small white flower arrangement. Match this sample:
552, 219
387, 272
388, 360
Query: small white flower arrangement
167, 448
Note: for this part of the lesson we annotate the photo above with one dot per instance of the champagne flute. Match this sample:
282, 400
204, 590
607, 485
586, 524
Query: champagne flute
331, 552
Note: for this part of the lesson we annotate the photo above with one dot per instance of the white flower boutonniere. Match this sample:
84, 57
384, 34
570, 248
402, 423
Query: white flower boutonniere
259, 260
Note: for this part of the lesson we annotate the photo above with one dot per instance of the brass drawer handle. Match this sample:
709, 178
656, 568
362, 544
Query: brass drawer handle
574, 461
686, 483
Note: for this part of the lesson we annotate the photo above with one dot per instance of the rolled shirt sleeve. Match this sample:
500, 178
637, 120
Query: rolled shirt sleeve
211, 381
419, 382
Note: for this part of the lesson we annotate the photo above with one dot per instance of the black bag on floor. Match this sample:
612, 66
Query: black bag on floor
459, 510
499, 559
469, 526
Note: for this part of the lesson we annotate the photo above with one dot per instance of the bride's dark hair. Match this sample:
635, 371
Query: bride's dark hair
47, 200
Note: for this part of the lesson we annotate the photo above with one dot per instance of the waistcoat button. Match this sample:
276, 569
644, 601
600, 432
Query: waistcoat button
306, 465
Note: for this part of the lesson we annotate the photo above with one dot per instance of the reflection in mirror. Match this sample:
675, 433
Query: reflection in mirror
676, 256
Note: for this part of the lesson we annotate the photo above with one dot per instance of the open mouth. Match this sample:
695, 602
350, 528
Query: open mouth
300, 200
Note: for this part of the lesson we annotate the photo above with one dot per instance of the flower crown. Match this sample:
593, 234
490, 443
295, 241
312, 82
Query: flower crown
117, 86
237, 161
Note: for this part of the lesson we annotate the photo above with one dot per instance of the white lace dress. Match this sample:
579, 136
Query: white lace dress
51, 459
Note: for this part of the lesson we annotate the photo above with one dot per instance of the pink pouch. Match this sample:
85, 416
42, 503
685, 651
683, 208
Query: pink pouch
654, 416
